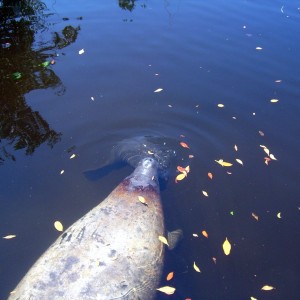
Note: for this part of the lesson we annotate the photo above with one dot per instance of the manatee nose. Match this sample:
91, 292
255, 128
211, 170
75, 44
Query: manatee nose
148, 162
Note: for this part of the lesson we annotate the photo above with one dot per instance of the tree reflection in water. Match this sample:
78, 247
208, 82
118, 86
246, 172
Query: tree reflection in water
25, 66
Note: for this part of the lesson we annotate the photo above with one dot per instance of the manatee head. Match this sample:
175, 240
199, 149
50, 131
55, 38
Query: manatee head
135, 149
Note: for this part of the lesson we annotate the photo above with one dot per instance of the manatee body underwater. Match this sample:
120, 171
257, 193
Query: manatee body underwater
112, 252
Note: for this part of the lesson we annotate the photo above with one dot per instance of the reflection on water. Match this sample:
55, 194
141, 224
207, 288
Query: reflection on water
26, 67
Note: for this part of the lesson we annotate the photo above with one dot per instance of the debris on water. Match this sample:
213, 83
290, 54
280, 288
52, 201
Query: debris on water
81, 51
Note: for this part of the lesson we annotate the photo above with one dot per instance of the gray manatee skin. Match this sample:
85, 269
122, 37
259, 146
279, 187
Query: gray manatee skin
112, 252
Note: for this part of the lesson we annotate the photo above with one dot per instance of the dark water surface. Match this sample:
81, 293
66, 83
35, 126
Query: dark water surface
201, 53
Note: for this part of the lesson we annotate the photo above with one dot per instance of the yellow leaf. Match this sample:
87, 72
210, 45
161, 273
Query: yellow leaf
239, 161
258, 48
170, 276
267, 151
226, 247
58, 226
163, 240
252, 298
167, 290
142, 200
274, 100
279, 215
267, 288
272, 157
10, 236
223, 163
205, 193
187, 169
196, 268
180, 177
204, 233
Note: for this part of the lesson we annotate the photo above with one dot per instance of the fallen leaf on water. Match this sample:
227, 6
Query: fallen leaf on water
258, 48
191, 156
214, 260
150, 152
239, 161
221, 105
167, 290
158, 90
72, 156
235, 147
223, 163
184, 145
252, 298
210, 175
163, 240
181, 169
62, 172
261, 133
10, 236
254, 216
272, 157
81, 51
187, 169
196, 268
274, 100
195, 235
278, 80
279, 215
226, 247
142, 200
180, 177
267, 160
205, 193
170, 276
267, 288
58, 226
267, 151
204, 233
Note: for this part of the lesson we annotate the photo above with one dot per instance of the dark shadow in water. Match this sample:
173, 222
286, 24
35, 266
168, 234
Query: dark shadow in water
26, 66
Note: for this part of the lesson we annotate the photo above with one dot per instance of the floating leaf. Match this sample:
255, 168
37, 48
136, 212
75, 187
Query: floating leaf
142, 200
278, 80
252, 298
267, 288
184, 145
272, 157
62, 172
267, 151
10, 236
150, 152
58, 226
210, 175
214, 260
226, 247
279, 215
187, 169
180, 177
204, 233
181, 169
261, 133
196, 268
81, 51
239, 161
72, 156
158, 90
223, 163
163, 240
258, 48
235, 147
274, 100
221, 105
167, 290
254, 216
195, 235
170, 276
191, 156
205, 193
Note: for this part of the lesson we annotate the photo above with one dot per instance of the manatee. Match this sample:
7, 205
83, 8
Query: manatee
112, 252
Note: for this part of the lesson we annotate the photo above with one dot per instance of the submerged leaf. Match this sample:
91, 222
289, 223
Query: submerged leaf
142, 200
226, 247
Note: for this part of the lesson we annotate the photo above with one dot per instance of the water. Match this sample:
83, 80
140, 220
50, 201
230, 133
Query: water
201, 53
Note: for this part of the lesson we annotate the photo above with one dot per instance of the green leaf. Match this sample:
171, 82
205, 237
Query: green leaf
16, 75
45, 64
